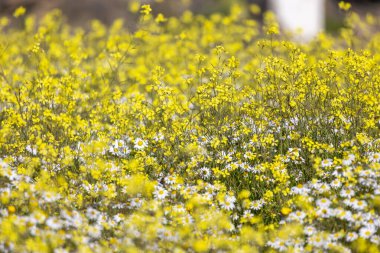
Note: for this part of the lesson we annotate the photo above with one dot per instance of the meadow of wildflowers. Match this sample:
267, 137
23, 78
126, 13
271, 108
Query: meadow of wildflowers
190, 134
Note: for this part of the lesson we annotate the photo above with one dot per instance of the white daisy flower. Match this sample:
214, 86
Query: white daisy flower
76, 220
374, 157
336, 236
124, 151
158, 137
297, 216
54, 223
343, 214
324, 212
300, 190
160, 193
136, 202
140, 144
203, 140
318, 240
92, 213
118, 218
205, 172
228, 203
326, 163
3, 164
359, 205
279, 245
351, 236
165, 234
170, 179
349, 202
347, 193
31, 150
235, 216
10, 174
324, 202
187, 219
336, 183
323, 187
247, 215
95, 231
367, 232
119, 148
375, 239
256, 205
39, 216
51, 197
348, 160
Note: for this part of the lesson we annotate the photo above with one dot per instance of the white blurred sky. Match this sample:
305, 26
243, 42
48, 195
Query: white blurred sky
307, 15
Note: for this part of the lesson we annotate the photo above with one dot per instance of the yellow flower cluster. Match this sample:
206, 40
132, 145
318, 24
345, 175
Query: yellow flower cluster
189, 134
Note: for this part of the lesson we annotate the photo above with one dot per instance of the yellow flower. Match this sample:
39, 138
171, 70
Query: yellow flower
20, 11
286, 210
145, 9
11, 209
200, 246
344, 5
160, 18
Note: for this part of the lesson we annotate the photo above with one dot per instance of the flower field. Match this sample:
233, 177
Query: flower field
189, 134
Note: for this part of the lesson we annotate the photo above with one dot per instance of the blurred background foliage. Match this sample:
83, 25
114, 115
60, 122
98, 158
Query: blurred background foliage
80, 12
